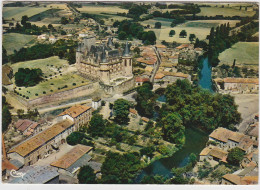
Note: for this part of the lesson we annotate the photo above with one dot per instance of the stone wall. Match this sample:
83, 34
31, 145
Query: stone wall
59, 96
118, 89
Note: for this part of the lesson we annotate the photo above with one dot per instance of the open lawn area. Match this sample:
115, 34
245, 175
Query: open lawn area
92, 9
53, 85
245, 53
201, 28
18, 12
213, 11
49, 66
15, 41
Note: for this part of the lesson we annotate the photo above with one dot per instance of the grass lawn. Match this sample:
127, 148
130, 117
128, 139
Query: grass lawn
44, 64
15, 41
53, 85
92, 9
166, 23
18, 12
245, 53
213, 11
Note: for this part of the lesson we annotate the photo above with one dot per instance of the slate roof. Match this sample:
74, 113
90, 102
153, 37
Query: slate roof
79, 163
35, 175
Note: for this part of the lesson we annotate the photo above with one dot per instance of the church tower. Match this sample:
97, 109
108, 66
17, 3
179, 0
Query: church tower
104, 68
127, 62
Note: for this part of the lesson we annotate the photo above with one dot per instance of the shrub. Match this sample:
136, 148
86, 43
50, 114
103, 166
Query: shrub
74, 84
27, 97
44, 92
36, 94
52, 84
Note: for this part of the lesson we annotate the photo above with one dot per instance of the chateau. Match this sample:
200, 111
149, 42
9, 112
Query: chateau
103, 62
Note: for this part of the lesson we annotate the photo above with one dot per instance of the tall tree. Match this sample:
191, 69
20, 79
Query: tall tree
235, 156
86, 175
96, 125
121, 111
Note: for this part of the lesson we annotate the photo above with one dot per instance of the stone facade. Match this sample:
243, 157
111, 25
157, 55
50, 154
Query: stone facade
103, 63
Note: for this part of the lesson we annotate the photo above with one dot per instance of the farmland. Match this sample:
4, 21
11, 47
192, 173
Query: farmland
18, 12
245, 53
213, 11
53, 85
200, 28
15, 41
101, 9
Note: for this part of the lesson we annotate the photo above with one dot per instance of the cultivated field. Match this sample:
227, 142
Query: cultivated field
166, 23
61, 83
57, 6
101, 9
18, 12
213, 11
245, 53
49, 66
15, 41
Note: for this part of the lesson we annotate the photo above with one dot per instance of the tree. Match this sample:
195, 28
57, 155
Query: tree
28, 77
183, 34
192, 38
121, 111
64, 20
75, 138
173, 129
20, 113
235, 156
193, 159
158, 25
6, 118
96, 125
122, 35
154, 179
72, 56
137, 50
234, 63
4, 56
172, 33
86, 175
24, 20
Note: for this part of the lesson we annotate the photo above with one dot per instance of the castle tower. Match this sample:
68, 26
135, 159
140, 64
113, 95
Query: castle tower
104, 68
127, 62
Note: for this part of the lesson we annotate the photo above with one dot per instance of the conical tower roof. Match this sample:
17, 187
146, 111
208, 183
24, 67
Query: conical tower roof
126, 52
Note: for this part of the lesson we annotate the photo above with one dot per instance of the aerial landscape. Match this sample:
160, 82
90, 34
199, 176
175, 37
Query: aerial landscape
130, 92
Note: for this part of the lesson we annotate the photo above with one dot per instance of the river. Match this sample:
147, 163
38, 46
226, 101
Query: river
195, 139
205, 75
195, 142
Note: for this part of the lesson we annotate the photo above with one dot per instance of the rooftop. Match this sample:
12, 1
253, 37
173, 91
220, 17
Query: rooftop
221, 134
75, 111
140, 79
35, 175
241, 80
23, 124
72, 156
41, 138
133, 111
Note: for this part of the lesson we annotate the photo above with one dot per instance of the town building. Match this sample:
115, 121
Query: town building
227, 139
27, 127
140, 80
233, 179
103, 62
214, 155
42, 144
70, 163
79, 114
241, 85
36, 175
96, 102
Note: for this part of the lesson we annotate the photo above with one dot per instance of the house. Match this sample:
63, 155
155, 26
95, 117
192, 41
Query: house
52, 39
79, 114
133, 112
253, 131
233, 179
43, 37
36, 175
27, 127
70, 163
250, 159
213, 154
42, 144
145, 119
96, 102
140, 80
227, 139
241, 85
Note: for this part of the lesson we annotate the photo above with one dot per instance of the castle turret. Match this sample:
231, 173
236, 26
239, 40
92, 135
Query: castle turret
127, 62
79, 53
104, 68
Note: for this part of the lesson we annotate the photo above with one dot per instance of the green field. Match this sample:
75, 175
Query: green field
49, 66
15, 41
245, 53
166, 23
18, 12
213, 11
201, 28
53, 85
98, 9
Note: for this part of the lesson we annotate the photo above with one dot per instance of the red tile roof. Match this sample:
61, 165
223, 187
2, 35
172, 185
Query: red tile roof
22, 125
140, 79
75, 111
242, 80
